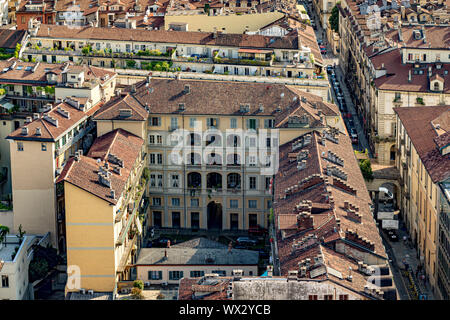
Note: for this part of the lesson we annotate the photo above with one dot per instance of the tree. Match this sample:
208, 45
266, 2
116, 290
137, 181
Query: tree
138, 284
136, 293
334, 18
38, 269
4, 230
366, 169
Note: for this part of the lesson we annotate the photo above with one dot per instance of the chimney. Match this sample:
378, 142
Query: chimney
165, 254
38, 131
24, 131
402, 10
28, 119
113, 194
409, 76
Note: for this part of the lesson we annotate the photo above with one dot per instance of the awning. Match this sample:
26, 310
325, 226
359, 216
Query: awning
253, 51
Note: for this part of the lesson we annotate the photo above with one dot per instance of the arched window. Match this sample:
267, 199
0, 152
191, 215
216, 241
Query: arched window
214, 180
234, 181
194, 180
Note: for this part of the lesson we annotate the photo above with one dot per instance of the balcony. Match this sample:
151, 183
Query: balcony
249, 62
126, 254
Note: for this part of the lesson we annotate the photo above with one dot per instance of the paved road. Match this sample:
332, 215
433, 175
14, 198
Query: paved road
331, 59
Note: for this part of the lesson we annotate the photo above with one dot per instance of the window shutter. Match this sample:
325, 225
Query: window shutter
149, 275
266, 123
217, 122
248, 123
257, 124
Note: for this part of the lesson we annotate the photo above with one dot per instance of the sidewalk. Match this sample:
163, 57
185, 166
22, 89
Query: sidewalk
402, 252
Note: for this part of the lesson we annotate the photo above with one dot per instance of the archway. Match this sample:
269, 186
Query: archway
214, 214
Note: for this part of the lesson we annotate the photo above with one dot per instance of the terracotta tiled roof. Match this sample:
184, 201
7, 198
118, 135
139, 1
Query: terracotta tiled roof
397, 74
10, 38
417, 122
188, 287
328, 196
84, 172
112, 109
163, 96
163, 36
49, 131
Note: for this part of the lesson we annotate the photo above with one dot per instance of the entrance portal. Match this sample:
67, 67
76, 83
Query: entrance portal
214, 211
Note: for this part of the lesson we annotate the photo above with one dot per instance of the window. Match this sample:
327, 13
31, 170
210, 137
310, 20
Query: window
269, 123
234, 203
173, 123
175, 202
152, 180
155, 121
195, 220
5, 282
233, 123
175, 219
159, 139
175, 181
155, 275
252, 183
19, 146
196, 274
152, 158
156, 201
268, 142
268, 183
160, 180
252, 142
212, 122
343, 297
252, 204
328, 297
252, 220
192, 122
175, 275
252, 161
194, 203
159, 158
252, 124
312, 297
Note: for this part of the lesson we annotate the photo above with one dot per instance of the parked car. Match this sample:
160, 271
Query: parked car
330, 69
353, 135
392, 234
323, 49
351, 123
160, 242
319, 42
246, 241
257, 231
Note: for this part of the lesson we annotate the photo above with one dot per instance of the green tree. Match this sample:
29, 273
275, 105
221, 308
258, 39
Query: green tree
131, 63
334, 18
138, 284
38, 269
136, 293
4, 230
366, 169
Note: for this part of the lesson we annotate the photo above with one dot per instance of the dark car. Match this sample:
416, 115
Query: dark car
353, 135
160, 242
392, 235
329, 69
246, 241
351, 123
323, 49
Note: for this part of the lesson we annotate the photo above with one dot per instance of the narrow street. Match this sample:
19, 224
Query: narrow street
330, 59
403, 258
